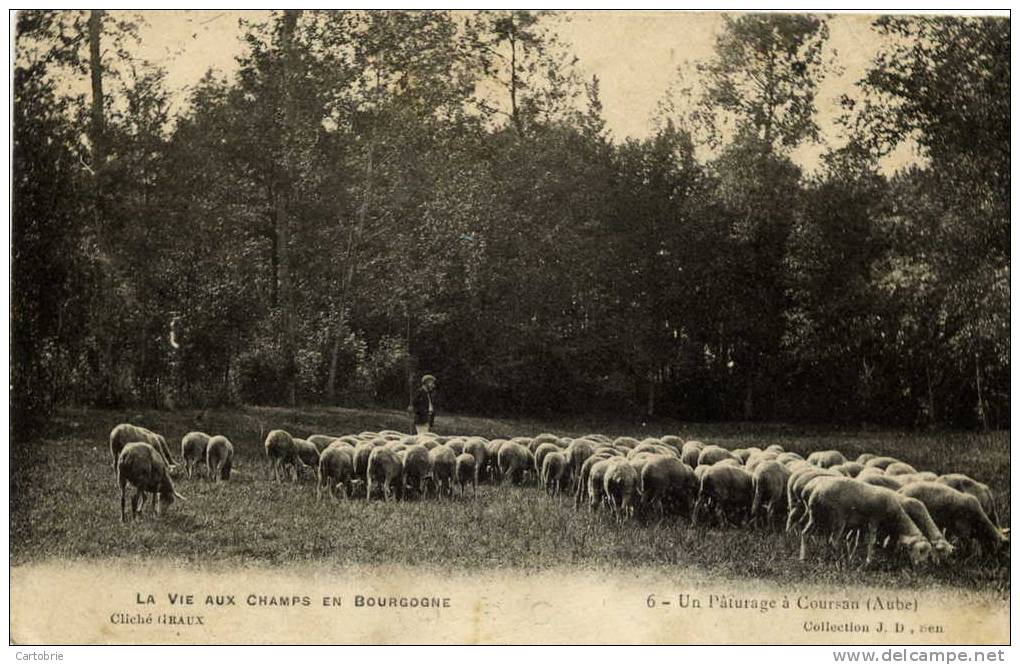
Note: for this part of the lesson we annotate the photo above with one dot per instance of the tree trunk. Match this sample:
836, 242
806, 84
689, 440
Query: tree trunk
283, 201
353, 246
982, 415
97, 129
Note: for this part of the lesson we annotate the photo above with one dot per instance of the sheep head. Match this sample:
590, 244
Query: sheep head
917, 547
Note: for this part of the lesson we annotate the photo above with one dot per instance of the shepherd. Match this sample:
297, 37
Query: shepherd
424, 405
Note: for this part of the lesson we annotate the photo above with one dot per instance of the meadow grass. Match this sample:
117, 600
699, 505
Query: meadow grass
65, 505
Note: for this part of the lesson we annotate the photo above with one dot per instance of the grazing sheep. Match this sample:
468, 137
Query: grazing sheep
959, 514
444, 466
690, 452
492, 459
361, 454
540, 452
880, 462
554, 467
922, 519
321, 441
674, 442
759, 458
219, 458
838, 504
581, 477
514, 461
432, 443
620, 485
668, 483
416, 467
880, 480
282, 452
742, 454
919, 477
456, 445
144, 468
307, 453
476, 448
577, 452
789, 458
863, 458
384, 467
465, 471
596, 482
848, 469
546, 437
729, 462
125, 433
980, 491
626, 442
728, 489
899, 469
796, 499
336, 471
768, 482
775, 448
711, 454
193, 446
826, 458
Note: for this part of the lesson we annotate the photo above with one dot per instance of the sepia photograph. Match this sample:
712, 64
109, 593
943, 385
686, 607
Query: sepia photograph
510, 327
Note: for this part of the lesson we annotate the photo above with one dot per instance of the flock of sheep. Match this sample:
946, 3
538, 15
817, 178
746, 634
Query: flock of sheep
884, 500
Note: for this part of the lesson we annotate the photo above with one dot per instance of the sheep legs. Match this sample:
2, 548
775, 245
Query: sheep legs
804, 536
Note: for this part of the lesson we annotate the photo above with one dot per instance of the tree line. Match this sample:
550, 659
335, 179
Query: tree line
374, 195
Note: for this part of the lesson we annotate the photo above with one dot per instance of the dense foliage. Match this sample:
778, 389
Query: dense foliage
376, 195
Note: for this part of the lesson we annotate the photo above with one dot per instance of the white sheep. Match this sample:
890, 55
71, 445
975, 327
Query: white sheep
384, 468
282, 453
443, 463
514, 461
963, 483
839, 504
336, 471
727, 489
553, 471
193, 445
620, 486
768, 482
713, 454
219, 458
465, 472
126, 433
959, 514
145, 469
826, 458
669, 484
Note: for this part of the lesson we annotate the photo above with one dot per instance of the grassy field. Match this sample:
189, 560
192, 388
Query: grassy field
65, 505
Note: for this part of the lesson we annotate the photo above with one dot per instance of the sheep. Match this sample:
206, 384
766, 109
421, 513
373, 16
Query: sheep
839, 503
307, 453
219, 458
768, 481
917, 511
384, 468
881, 480
596, 482
546, 437
899, 469
668, 483
848, 469
581, 477
540, 452
282, 452
141, 465
443, 462
674, 442
919, 477
980, 491
863, 458
514, 460
456, 445
788, 458
626, 442
742, 454
726, 488
880, 462
125, 433
690, 452
774, 448
465, 472
620, 484
728, 462
336, 471
416, 467
712, 454
492, 459
361, 454
193, 445
826, 458
959, 514
554, 467
321, 441
796, 501
578, 451
759, 458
